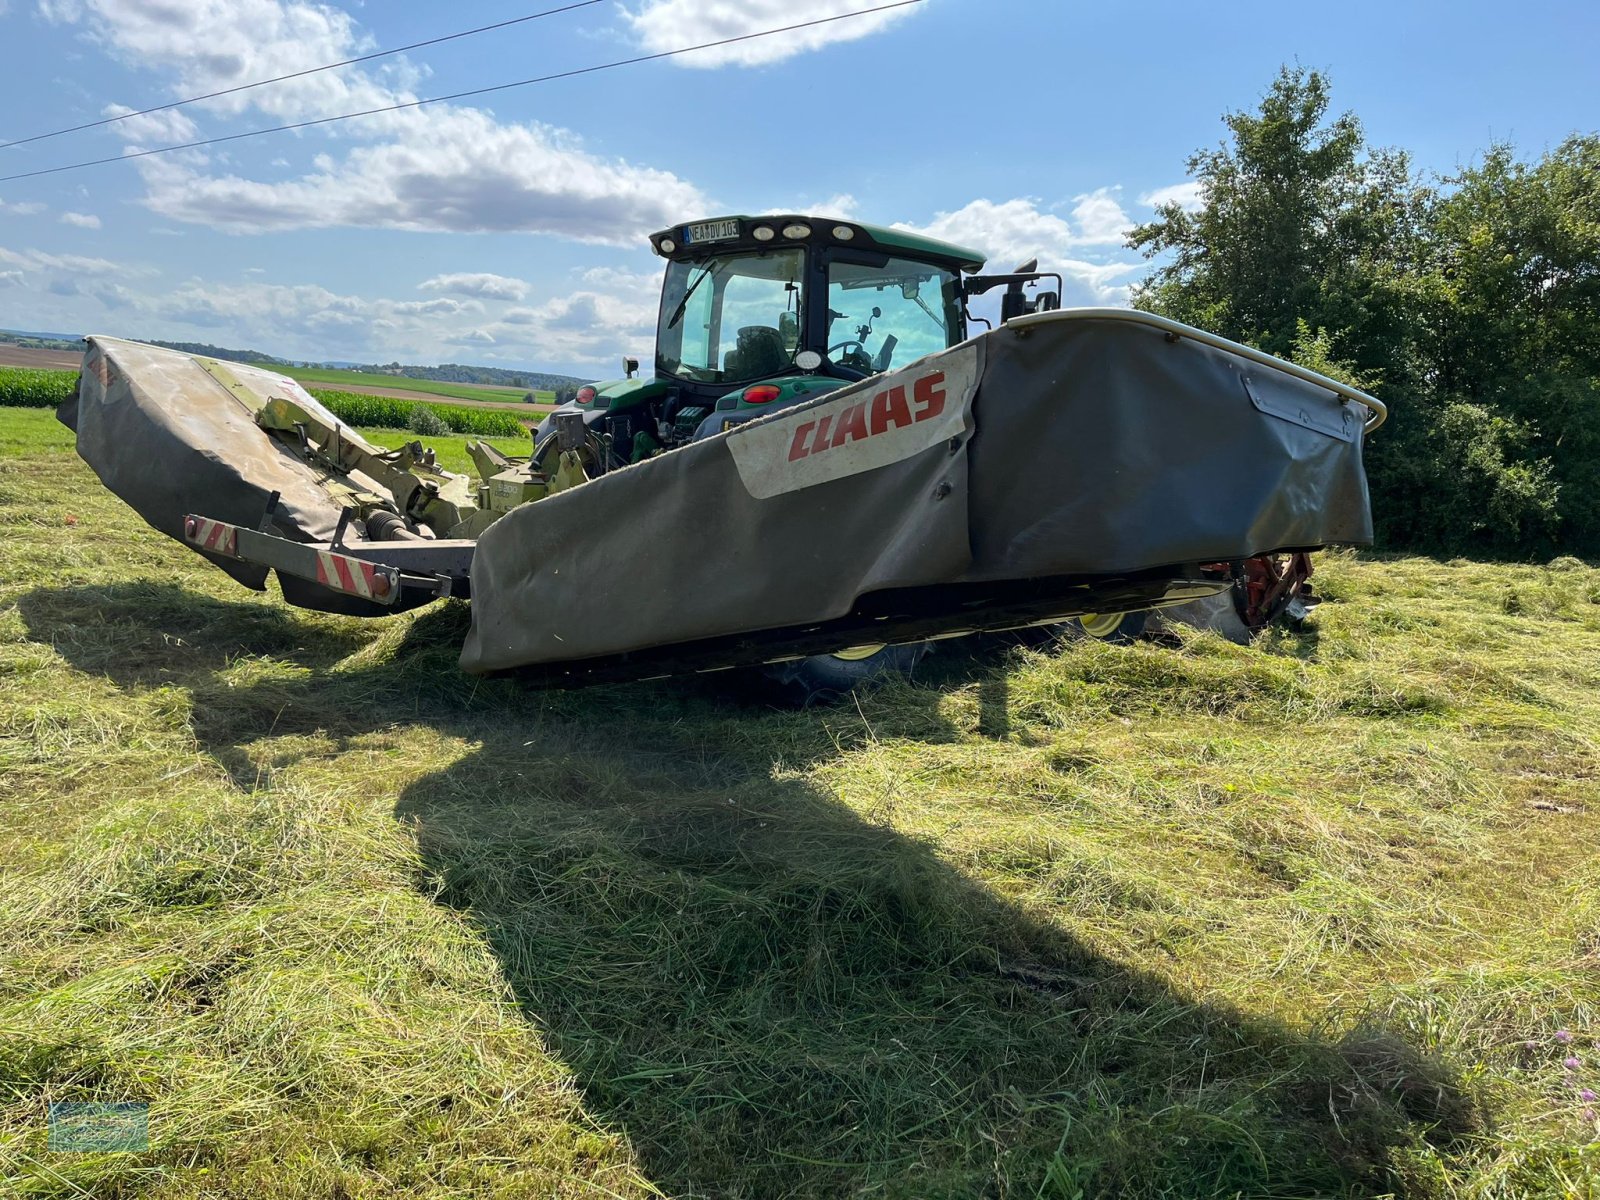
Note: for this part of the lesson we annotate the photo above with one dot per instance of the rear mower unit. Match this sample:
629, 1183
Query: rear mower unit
824, 462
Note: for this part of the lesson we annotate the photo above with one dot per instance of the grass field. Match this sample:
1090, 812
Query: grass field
1313, 918
355, 380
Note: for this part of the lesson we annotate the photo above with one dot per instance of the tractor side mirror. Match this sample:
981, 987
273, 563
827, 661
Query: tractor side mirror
910, 289
630, 366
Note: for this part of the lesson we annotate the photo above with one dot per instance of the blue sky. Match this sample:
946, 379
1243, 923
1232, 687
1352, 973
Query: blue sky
509, 230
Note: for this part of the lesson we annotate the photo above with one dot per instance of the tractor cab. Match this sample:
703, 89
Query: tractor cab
758, 313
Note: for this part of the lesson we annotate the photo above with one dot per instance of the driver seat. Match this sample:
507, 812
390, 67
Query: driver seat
758, 352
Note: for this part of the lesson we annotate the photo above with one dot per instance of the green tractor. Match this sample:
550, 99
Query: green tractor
761, 313
758, 313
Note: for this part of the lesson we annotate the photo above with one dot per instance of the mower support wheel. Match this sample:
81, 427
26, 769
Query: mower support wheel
1119, 629
826, 677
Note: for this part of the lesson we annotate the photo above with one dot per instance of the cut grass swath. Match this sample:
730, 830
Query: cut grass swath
1316, 917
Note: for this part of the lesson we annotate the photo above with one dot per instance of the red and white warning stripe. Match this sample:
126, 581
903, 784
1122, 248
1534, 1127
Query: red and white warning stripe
216, 536
351, 576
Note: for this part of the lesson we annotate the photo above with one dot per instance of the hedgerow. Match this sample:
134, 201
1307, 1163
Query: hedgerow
391, 412
26, 387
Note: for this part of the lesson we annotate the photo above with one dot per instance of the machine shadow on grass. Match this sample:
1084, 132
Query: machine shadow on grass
767, 994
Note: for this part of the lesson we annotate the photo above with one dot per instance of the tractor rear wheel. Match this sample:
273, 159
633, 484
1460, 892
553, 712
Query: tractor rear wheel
825, 677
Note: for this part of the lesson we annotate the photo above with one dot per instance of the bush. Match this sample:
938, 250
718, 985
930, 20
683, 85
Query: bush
426, 422
25, 387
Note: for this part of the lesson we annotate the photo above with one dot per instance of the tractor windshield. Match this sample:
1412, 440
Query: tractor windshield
884, 314
731, 318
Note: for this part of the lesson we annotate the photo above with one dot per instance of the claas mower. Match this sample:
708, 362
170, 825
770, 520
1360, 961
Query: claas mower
833, 462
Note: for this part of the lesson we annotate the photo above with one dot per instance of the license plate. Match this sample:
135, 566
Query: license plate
710, 231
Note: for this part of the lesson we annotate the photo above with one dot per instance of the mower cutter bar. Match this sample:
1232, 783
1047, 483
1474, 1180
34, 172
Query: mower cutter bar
345, 569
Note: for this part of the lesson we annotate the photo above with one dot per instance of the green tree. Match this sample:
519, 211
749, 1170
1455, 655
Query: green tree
1471, 309
1299, 221
1509, 314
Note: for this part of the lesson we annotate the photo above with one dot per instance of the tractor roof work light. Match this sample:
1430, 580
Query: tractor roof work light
797, 230
763, 233
843, 232
666, 245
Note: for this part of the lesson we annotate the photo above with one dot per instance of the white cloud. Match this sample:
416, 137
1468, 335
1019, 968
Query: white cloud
1100, 219
152, 128
599, 314
841, 205
611, 312
484, 285
81, 220
1186, 195
448, 171
1012, 231
668, 24
77, 264
209, 45
22, 208
442, 168
438, 308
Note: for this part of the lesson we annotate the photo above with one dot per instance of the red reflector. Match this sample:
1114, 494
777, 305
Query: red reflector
586, 395
761, 393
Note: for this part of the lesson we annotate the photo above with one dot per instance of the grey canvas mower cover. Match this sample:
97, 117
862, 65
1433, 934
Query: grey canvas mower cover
1066, 462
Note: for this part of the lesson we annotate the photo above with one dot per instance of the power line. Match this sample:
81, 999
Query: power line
245, 87
499, 87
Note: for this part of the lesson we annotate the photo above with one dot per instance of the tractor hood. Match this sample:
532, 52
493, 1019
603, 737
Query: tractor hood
620, 393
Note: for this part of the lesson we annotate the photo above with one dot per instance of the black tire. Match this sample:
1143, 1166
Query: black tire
826, 677
1117, 629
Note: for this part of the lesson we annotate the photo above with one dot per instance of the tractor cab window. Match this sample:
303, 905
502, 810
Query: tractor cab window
886, 312
731, 318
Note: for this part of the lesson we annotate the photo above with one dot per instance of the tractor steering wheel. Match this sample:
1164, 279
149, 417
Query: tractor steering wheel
853, 348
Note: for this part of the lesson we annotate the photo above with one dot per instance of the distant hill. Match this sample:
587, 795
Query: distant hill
447, 373
42, 341
461, 373
541, 381
206, 350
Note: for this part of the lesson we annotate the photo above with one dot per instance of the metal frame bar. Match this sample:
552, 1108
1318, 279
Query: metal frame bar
1377, 410
365, 570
